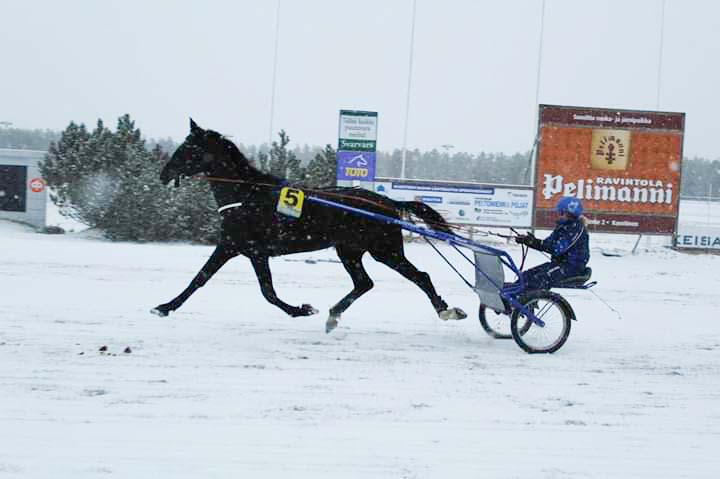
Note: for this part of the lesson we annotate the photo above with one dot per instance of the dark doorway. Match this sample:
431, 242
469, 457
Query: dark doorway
12, 187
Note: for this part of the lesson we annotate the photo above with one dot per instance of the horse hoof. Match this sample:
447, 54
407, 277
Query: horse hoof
331, 324
159, 312
452, 314
308, 310
303, 310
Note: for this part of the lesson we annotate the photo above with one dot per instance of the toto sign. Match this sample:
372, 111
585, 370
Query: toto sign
356, 165
624, 165
357, 137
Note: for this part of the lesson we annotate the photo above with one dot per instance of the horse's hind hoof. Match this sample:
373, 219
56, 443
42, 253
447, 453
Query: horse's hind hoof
452, 314
331, 324
159, 312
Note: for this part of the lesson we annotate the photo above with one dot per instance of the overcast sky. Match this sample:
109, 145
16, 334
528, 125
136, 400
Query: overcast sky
474, 67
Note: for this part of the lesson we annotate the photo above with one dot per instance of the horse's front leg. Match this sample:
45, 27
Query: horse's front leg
220, 256
261, 264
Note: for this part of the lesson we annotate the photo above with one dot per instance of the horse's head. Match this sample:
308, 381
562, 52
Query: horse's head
201, 152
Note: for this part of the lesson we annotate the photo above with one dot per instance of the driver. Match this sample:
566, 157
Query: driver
568, 246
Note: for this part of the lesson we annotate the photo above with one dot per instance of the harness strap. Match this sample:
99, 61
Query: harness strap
576, 238
227, 207
562, 256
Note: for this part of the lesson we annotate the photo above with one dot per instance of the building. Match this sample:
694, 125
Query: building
23, 192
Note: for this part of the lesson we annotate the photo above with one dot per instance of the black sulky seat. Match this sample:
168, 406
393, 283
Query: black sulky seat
577, 280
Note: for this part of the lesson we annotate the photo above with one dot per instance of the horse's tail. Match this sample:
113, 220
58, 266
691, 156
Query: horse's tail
429, 216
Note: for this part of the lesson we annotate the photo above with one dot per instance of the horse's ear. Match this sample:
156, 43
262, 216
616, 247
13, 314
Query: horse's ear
193, 125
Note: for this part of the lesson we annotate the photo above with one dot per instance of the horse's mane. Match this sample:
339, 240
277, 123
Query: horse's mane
245, 168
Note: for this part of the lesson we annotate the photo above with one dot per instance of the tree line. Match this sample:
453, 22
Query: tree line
109, 179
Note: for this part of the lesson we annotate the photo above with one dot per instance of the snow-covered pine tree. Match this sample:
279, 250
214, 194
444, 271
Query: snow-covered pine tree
64, 167
110, 181
283, 162
146, 210
321, 171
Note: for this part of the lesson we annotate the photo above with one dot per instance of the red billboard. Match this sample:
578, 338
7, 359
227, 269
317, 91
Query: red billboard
623, 164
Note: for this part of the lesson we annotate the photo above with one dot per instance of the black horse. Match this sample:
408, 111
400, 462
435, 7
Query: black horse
251, 226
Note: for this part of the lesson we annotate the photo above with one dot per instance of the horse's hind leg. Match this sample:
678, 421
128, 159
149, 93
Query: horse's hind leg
220, 256
352, 260
395, 259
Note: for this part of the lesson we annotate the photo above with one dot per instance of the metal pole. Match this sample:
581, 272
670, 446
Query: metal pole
660, 54
539, 63
274, 74
659, 77
407, 99
634, 250
533, 151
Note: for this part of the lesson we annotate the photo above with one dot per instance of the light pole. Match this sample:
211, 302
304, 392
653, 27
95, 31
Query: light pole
660, 54
536, 138
409, 83
274, 74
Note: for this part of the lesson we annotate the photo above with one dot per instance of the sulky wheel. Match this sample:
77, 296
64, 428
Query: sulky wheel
554, 311
495, 324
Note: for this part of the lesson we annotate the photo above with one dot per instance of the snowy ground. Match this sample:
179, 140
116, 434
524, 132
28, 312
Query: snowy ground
230, 387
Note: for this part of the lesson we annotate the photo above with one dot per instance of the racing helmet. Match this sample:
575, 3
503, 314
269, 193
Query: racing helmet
569, 205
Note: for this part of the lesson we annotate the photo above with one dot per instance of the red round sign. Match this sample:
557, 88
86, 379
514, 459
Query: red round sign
37, 185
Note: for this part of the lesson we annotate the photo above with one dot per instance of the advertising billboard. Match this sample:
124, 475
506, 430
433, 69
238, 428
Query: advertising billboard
357, 141
623, 164
698, 237
465, 203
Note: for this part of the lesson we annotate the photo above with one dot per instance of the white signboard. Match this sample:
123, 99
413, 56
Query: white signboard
698, 237
465, 204
358, 125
